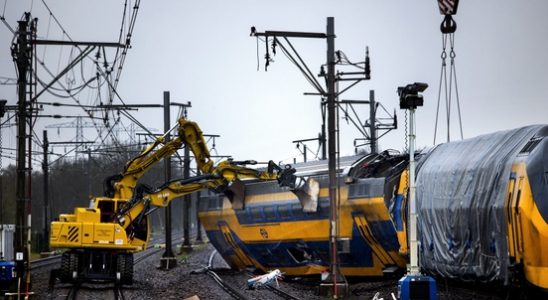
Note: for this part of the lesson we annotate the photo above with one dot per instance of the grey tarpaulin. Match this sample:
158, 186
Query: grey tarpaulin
461, 192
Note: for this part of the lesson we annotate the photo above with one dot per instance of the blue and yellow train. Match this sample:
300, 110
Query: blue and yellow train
483, 214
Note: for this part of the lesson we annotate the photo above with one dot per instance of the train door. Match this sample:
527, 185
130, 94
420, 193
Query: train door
515, 243
386, 258
229, 238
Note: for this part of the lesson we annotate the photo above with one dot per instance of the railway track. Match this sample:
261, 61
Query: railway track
93, 290
45, 262
236, 293
75, 289
233, 292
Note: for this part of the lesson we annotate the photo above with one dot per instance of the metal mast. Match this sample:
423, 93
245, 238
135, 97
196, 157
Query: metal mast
335, 275
22, 54
168, 260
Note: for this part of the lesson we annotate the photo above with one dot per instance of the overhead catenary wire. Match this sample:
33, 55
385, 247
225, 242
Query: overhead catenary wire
77, 101
47, 37
65, 33
300, 64
3, 18
358, 126
310, 74
74, 89
127, 43
7, 81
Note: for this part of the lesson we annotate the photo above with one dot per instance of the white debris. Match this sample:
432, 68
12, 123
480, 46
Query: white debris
376, 297
264, 279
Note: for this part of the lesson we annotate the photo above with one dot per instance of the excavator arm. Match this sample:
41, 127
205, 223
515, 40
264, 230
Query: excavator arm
193, 138
123, 184
145, 199
216, 177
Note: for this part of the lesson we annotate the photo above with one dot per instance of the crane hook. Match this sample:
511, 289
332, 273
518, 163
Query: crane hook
448, 25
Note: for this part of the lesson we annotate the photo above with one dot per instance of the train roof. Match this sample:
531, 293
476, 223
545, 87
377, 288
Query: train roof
320, 167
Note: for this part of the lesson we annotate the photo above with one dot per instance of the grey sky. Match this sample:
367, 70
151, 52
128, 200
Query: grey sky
201, 52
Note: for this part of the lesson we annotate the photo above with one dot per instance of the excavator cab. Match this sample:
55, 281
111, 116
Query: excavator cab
107, 208
137, 233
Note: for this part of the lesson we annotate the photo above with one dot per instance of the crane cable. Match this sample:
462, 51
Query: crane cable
448, 28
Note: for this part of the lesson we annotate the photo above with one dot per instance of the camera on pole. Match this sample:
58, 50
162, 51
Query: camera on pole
409, 95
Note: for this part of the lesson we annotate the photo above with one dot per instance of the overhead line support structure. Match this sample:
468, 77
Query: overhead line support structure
320, 92
168, 260
336, 283
23, 51
77, 43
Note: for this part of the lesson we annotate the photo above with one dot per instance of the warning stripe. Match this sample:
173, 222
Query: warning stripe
72, 229
447, 7
73, 234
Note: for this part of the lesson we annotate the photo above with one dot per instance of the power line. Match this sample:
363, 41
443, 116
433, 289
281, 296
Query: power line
2, 17
56, 21
127, 43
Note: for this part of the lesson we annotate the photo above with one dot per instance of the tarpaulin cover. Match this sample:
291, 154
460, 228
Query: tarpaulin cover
461, 193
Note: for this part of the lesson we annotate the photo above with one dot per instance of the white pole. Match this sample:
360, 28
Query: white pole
413, 251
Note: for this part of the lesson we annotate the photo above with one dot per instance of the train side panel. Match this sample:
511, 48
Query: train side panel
272, 231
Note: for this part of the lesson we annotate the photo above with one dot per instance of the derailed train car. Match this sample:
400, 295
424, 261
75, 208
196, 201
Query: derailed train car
483, 207
483, 214
270, 228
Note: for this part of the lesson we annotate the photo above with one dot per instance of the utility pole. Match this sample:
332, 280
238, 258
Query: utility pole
372, 123
186, 247
22, 54
187, 199
336, 278
45, 171
335, 284
2, 247
199, 239
168, 260
88, 171
322, 140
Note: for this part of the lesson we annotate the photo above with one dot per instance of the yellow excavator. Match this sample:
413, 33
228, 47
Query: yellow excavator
100, 240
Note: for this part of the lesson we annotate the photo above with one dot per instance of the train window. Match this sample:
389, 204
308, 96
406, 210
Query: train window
270, 213
297, 210
243, 216
531, 145
300, 254
280, 257
284, 211
215, 203
249, 215
257, 213
324, 207
344, 246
